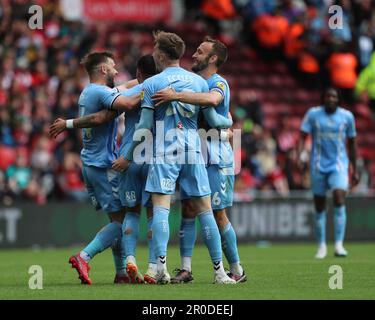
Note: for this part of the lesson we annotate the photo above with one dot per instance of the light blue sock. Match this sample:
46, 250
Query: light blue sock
118, 253
130, 232
105, 238
229, 244
187, 237
340, 223
160, 231
151, 251
211, 235
320, 227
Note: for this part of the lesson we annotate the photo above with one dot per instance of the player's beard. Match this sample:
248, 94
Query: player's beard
200, 65
110, 81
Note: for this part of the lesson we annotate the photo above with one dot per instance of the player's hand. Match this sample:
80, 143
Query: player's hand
120, 164
355, 178
301, 160
230, 134
163, 96
57, 127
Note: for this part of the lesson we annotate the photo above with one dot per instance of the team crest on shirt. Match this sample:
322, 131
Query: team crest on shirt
221, 85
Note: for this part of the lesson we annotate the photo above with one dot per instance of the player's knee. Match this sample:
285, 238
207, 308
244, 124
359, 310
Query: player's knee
339, 201
338, 198
221, 218
320, 207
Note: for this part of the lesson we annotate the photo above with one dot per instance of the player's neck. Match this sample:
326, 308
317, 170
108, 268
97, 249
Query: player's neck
98, 80
171, 63
207, 73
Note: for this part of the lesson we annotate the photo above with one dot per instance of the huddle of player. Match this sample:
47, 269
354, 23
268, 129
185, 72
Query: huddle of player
160, 151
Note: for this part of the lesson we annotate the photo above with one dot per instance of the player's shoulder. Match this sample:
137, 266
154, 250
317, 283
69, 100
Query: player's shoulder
194, 76
313, 111
345, 112
218, 78
155, 82
196, 79
133, 90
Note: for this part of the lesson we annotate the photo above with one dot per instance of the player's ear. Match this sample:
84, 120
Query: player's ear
103, 69
213, 59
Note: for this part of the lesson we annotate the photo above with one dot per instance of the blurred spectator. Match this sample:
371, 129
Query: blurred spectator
365, 43
70, 180
249, 101
342, 66
366, 84
270, 30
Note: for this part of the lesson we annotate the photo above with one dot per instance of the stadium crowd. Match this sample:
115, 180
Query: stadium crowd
41, 78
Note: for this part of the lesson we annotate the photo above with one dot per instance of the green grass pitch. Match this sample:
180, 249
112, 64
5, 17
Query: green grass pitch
281, 271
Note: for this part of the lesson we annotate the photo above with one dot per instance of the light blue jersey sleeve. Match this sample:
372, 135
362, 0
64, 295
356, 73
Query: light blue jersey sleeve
306, 125
146, 119
146, 94
107, 96
219, 86
204, 89
351, 130
216, 120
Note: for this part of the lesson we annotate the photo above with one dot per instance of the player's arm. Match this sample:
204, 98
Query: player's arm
302, 154
146, 122
352, 146
351, 133
209, 99
216, 120
90, 121
126, 103
127, 85
306, 129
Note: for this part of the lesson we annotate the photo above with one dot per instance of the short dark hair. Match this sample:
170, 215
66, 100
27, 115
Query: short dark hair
93, 59
170, 43
146, 65
219, 49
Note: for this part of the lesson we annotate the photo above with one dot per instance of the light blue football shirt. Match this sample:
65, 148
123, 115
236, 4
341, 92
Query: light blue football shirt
220, 153
175, 123
219, 84
131, 119
329, 133
99, 143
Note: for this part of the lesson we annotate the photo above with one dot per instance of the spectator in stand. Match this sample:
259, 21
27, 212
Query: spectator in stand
270, 30
366, 84
293, 9
266, 159
70, 179
249, 101
365, 43
342, 66
22, 182
216, 10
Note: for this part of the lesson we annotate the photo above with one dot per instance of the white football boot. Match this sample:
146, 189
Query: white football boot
222, 278
322, 252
